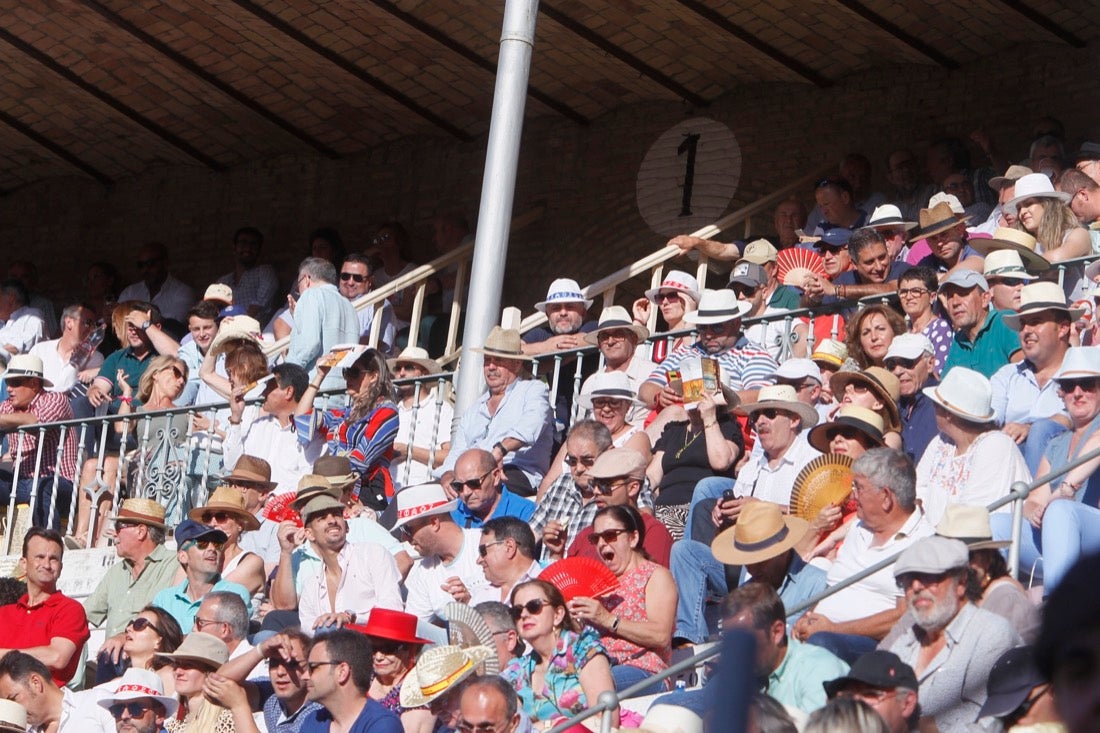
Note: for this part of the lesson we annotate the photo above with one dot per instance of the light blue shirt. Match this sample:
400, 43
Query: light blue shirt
174, 600
798, 680
1017, 396
322, 319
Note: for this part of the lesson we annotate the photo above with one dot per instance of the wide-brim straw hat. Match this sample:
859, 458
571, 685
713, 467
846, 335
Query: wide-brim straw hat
504, 343
438, 670
336, 470
884, 384
867, 422
26, 365
141, 511
386, 623
783, 397
889, 215
236, 327
563, 290
971, 525
422, 500
614, 385
252, 470
13, 716
1005, 263
831, 352
613, 317
1013, 174
717, 306
1016, 240
415, 355
679, 281
199, 647
1039, 297
964, 393
229, 500
1034, 186
937, 219
311, 486
1079, 362
136, 684
762, 531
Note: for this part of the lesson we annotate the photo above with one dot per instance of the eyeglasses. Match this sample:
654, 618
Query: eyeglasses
470, 483
608, 536
587, 461
1069, 386
913, 292
613, 335
483, 550
667, 295
345, 276
211, 517
955, 185
533, 607
135, 709
894, 362
925, 579
797, 386
203, 544
201, 623
869, 695
353, 372
141, 624
832, 249
606, 488
890, 233
119, 526
408, 530
312, 666
769, 412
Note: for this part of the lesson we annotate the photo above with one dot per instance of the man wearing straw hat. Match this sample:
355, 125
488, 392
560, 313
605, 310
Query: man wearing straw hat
512, 419
138, 703
13, 717
888, 222
425, 414
145, 568
618, 338
943, 224
48, 706
251, 476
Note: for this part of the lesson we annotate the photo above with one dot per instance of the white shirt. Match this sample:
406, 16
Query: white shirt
428, 574
428, 422
878, 592
263, 437
23, 329
58, 370
305, 562
759, 480
493, 592
387, 333
173, 299
978, 477
81, 713
369, 579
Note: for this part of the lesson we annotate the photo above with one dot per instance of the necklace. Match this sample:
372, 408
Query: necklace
687, 443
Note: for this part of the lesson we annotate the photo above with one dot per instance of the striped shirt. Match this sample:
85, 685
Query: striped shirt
747, 368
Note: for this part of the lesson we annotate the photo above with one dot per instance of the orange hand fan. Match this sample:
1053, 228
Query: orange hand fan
794, 265
278, 509
823, 481
580, 576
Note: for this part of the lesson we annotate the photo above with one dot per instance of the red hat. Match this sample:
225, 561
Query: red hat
386, 623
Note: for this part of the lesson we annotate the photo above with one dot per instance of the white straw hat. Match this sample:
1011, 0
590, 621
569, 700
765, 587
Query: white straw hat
422, 500
1039, 297
613, 317
608, 384
965, 393
718, 306
137, 684
26, 365
1079, 362
1034, 186
438, 670
563, 290
679, 281
889, 215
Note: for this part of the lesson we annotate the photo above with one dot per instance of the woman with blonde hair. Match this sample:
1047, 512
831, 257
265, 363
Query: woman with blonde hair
1045, 214
192, 663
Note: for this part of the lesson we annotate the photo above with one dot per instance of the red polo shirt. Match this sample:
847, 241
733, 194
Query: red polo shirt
658, 542
23, 626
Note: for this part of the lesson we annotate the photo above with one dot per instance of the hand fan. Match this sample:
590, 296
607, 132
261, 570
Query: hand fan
825, 480
278, 508
795, 264
467, 628
580, 576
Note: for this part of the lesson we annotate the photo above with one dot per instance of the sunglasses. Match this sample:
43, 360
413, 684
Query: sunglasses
290, 665
769, 412
896, 361
203, 544
830, 248
483, 550
608, 536
210, 517
345, 276
135, 709
670, 295
742, 291
606, 403
846, 433
533, 607
1069, 386
606, 487
386, 646
470, 483
587, 461
1011, 282
141, 624
353, 373
713, 327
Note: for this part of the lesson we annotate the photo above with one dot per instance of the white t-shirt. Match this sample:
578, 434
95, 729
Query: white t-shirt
426, 596
58, 370
428, 421
976, 478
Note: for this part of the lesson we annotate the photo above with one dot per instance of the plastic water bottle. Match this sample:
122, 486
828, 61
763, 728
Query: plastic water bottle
85, 348
681, 685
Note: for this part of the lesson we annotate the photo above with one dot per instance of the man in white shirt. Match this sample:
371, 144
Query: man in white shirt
173, 297
425, 419
49, 707
22, 326
356, 280
617, 337
852, 621
77, 323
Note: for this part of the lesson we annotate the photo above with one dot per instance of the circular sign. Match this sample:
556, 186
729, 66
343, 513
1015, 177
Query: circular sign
689, 176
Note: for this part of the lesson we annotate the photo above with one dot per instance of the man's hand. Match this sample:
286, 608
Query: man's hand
668, 396
98, 395
686, 242
137, 319
457, 589
810, 624
827, 520
553, 538
290, 536
337, 619
813, 288
113, 647
1017, 431
445, 481
726, 511
278, 647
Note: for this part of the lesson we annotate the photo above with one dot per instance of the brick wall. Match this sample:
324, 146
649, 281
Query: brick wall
585, 177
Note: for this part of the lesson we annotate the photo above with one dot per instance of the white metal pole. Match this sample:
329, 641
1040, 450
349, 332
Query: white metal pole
497, 191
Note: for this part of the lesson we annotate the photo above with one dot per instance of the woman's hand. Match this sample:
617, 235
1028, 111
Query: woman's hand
708, 409
827, 520
1033, 513
640, 310
223, 691
124, 386
590, 610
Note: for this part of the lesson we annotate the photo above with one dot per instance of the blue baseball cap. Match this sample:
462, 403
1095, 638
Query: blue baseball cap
189, 529
835, 237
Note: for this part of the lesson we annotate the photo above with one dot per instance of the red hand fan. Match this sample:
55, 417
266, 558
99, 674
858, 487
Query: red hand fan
278, 509
794, 265
578, 577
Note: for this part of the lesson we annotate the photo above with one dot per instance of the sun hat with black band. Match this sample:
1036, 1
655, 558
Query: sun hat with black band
415, 355
783, 397
717, 306
964, 393
140, 511
24, 366
681, 282
1011, 175
867, 422
311, 486
563, 290
616, 317
1079, 362
939, 218
614, 385
1034, 186
336, 470
880, 669
504, 343
1039, 297
1007, 238
969, 524
13, 717
882, 383
888, 216
762, 531
1001, 263
138, 684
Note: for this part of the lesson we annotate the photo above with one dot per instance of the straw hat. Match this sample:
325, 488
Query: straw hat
615, 316
1039, 297
867, 422
423, 500
13, 716
939, 218
831, 352
311, 486
336, 470
783, 397
1013, 174
1080, 362
761, 532
317, 504
138, 684
504, 343
1034, 186
438, 670
884, 384
141, 511
229, 500
1006, 238
679, 281
889, 216
669, 719
1005, 263
971, 525
563, 290
608, 384
415, 355
199, 647
26, 365
717, 306
385, 623
251, 470
219, 292
236, 327
965, 393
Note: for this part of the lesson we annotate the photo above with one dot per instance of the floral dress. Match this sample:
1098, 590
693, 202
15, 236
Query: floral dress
562, 694
628, 602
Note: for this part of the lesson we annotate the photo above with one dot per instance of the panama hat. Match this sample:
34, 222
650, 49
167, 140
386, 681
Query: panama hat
615, 316
1039, 297
783, 397
717, 306
761, 532
971, 525
679, 281
883, 383
141, 511
438, 670
229, 500
1034, 186
608, 384
311, 486
563, 290
386, 623
415, 355
1005, 263
939, 218
1006, 238
251, 470
422, 500
889, 216
13, 716
336, 470
504, 343
1013, 174
965, 393
199, 647
867, 422
831, 352
26, 365
138, 684
1079, 362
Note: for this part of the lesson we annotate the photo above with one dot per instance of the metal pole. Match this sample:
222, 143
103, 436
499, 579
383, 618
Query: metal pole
1020, 491
497, 191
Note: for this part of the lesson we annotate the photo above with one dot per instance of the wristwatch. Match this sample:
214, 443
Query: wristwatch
145, 324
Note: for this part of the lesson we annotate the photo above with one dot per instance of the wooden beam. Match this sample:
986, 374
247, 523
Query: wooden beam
194, 69
629, 59
336, 59
58, 150
1045, 23
897, 32
470, 55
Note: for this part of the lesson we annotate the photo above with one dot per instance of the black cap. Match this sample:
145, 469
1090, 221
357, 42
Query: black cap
1011, 680
189, 529
877, 669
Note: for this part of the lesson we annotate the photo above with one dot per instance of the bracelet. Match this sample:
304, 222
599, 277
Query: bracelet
709, 425
127, 400
315, 386
503, 450
234, 422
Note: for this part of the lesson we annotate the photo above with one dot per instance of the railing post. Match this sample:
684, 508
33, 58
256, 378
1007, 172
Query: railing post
1019, 491
609, 700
